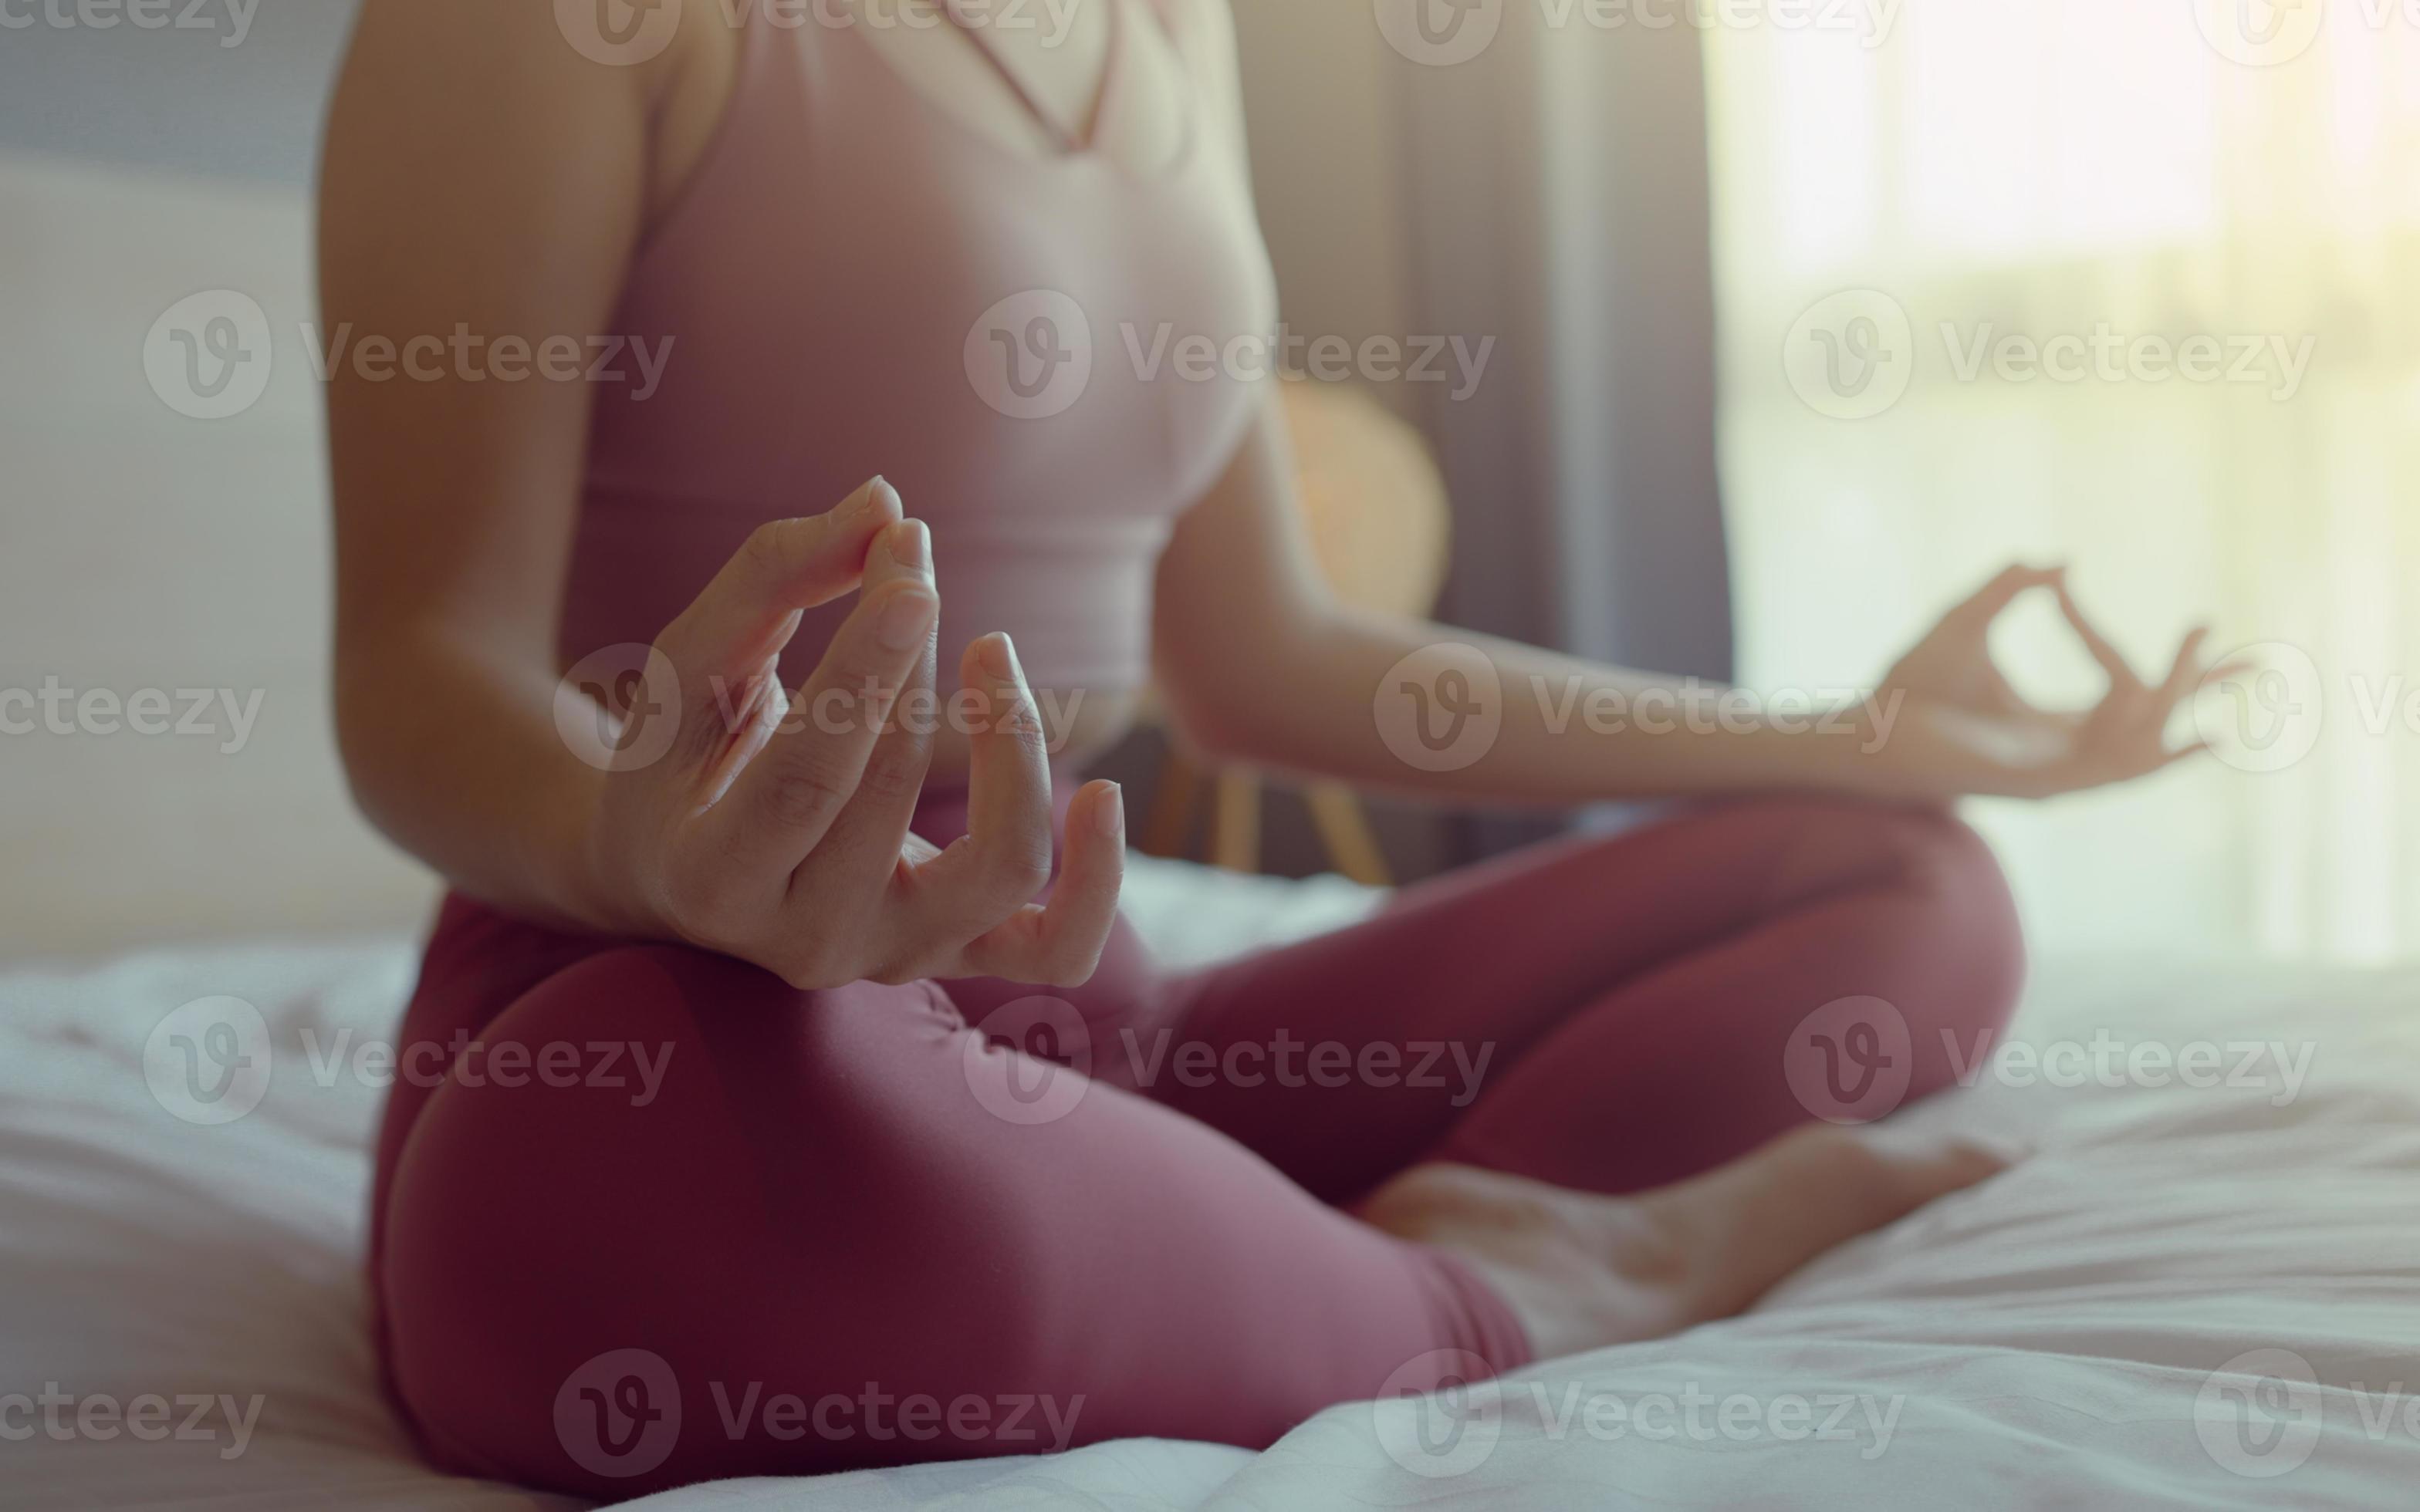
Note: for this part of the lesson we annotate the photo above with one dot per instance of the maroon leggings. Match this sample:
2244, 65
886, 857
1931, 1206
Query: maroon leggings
645, 1215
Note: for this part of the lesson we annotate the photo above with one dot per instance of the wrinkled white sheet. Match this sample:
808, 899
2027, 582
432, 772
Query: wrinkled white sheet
2193, 1296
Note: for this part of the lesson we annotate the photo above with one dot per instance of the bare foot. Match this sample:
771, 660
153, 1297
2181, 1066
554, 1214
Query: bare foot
1584, 1271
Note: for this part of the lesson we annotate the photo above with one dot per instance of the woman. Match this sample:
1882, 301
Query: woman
715, 1132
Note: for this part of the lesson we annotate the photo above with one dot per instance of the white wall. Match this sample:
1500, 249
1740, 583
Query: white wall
143, 550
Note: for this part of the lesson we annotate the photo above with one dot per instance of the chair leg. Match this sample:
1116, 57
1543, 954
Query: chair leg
1336, 810
1235, 831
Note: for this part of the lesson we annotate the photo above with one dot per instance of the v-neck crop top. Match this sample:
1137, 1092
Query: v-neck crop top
854, 281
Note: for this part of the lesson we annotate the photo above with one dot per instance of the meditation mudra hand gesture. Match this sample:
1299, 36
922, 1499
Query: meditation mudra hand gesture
2002, 744
766, 830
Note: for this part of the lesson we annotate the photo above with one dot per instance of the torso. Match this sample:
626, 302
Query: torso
1156, 230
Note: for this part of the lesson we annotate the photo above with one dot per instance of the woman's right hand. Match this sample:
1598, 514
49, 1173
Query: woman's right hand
774, 827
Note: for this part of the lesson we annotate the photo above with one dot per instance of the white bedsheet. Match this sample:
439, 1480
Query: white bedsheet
2193, 1296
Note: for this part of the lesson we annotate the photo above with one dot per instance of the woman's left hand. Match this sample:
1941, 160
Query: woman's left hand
2000, 744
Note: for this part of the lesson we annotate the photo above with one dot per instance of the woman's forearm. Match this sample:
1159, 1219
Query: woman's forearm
453, 753
1259, 663
1401, 704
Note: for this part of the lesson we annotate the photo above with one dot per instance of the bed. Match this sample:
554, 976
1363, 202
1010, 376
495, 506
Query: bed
2202, 1294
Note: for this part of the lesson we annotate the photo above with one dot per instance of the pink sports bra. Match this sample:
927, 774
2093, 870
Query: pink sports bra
855, 282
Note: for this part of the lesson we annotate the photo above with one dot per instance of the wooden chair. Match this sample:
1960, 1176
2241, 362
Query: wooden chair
1375, 510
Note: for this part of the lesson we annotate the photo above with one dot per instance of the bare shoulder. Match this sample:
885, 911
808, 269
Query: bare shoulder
543, 69
464, 44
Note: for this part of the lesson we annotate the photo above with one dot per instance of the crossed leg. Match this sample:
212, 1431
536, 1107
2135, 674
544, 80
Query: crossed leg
837, 1204
1601, 1014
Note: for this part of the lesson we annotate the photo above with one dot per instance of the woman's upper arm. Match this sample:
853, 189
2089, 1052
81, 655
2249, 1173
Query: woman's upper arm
482, 180
1238, 584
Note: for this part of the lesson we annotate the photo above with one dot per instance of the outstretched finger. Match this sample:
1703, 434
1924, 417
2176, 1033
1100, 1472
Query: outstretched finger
2112, 660
2185, 754
2185, 675
1059, 943
720, 650
749, 608
860, 853
1003, 860
1989, 602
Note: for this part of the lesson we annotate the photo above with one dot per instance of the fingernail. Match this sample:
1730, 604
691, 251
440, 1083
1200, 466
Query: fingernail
867, 498
1109, 812
911, 545
998, 656
906, 620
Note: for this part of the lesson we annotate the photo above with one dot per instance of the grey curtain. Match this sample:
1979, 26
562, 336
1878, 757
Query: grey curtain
1556, 186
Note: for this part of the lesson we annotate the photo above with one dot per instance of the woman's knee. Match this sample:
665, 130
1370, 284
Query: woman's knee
656, 1155
1951, 869
1947, 892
